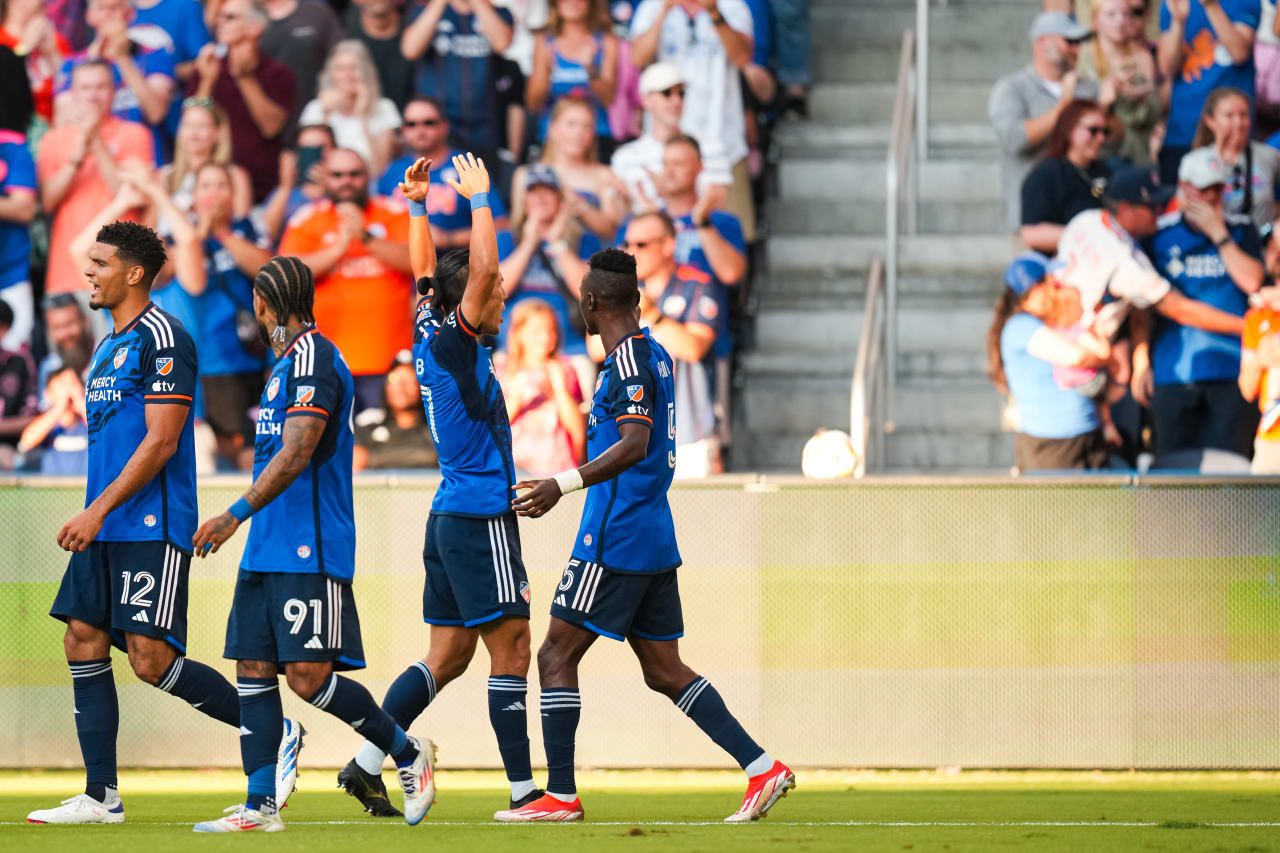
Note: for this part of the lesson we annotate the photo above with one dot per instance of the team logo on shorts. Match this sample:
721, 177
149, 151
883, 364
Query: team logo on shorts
149, 521
273, 388
305, 394
164, 366
586, 540
303, 552
120, 356
635, 393
524, 591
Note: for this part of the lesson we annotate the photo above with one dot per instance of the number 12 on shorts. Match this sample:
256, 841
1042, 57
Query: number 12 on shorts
145, 580
295, 611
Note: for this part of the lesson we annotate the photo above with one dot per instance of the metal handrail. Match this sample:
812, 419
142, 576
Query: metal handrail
922, 80
896, 176
866, 398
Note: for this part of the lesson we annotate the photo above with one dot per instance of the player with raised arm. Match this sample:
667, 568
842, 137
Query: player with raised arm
126, 582
621, 579
293, 606
476, 588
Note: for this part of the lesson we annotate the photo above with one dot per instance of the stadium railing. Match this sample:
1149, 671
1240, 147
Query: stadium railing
867, 395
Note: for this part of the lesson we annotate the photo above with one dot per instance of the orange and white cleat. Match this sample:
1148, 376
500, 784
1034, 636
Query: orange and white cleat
546, 808
763, 792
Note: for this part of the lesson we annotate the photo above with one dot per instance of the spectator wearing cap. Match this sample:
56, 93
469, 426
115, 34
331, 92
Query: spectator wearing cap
662, 88
425, 133
357, 246
543, 393
395, 435
1253, 167
710, 41
17, 392
1213, 257
1203, 46
1057, 428
17, 211
1025, 104
61, 432
1071, 178
549, 259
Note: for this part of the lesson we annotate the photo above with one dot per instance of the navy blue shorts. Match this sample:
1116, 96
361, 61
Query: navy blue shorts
474, 570
290, 616
619, 604
128, 588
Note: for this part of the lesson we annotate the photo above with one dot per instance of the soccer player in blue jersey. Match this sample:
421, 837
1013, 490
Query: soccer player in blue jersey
293, 606
621, 579
126, 583
476, 588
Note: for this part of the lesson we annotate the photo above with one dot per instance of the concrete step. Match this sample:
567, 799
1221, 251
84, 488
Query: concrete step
847, 180
790, 216
877, 62
871, 103
816, 289
945, 254
961, 329
948, 450
947, 140
855, 25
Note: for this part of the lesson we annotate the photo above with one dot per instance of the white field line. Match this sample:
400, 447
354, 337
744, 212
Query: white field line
849, 823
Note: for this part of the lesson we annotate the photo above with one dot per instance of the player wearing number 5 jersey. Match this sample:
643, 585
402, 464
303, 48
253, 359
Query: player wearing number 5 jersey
126, 583
475, 586
621, 580
293, 607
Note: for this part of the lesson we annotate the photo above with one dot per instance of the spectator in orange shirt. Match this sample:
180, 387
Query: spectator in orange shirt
78, 168
358, 248
1260, 363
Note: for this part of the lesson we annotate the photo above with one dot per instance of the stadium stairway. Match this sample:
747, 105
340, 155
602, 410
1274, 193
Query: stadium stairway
826, 222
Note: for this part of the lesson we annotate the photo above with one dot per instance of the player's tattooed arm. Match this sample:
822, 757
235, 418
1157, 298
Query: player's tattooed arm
300, 437
628, 450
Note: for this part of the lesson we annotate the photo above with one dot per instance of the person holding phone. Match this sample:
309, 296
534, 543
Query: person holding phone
301, 179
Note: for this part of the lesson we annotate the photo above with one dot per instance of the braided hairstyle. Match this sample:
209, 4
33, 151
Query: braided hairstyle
288, 287
450, 281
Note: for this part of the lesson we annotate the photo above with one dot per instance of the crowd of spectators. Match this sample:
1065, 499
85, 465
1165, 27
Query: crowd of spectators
1140, 165
243, 128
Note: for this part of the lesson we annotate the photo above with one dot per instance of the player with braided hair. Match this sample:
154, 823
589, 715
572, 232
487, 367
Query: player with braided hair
293, 607
476, 587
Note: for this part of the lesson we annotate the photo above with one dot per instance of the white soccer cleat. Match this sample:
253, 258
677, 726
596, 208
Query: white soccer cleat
763, 792
82, 808
545, 809
287, 760
241, 818
419, 783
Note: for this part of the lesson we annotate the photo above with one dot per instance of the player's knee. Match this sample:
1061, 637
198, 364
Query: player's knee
664, 680
553, 661
84, 642
306, 681
150, 664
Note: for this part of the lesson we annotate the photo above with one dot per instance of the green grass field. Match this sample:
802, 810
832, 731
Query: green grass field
665, 810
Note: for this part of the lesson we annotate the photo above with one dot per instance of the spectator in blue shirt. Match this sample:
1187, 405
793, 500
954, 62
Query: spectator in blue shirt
454, 43
61, 432
1210, 256
17, 211
183, 22
1204, 44
576, 55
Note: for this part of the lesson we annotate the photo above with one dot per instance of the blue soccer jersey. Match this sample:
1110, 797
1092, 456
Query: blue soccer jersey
151, 362
626, 523
467, 416
310, 527
17, 177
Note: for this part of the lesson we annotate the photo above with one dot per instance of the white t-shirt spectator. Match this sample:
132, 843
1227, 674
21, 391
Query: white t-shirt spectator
633, 161
1101, 257
713, 97
349, 131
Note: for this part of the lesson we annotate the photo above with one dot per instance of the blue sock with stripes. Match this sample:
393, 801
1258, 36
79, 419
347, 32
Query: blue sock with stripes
406, 699
510, 723
261, 724
97, 722
561, 710
203, 687
350, 702
704, 706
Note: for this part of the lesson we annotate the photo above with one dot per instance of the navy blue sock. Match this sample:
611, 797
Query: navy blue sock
510, 723
261, 723
204, 688
97, 722
561, 710
704, 706
410, 694
350, 702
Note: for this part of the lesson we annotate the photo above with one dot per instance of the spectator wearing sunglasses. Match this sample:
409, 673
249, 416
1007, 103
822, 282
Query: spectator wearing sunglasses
662, 87
1071, 178
1025, 104
1122, 63
1226, 127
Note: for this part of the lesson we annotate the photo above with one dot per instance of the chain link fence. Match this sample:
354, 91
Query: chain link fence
1113, 622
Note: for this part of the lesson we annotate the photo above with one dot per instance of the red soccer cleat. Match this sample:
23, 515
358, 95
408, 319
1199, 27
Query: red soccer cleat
763, 791
546, 808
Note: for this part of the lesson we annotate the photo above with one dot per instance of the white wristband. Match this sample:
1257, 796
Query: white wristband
568, 481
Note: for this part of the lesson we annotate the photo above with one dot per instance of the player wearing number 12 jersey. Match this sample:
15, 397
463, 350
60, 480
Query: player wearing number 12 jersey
621, 580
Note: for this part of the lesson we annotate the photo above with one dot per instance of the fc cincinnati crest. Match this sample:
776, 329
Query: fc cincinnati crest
635, 393
273, 388
304, 552
599, 381
164, 366
120, 356
524, 591
305, 393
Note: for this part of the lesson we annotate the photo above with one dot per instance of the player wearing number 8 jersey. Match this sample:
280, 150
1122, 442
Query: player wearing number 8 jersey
621, 580
293, 608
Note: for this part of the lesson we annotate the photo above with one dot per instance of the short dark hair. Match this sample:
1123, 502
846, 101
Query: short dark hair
685, 139
449, 282
92, 62
434, 103
288, 287
6, 315
333, 140
611, 276
136, 245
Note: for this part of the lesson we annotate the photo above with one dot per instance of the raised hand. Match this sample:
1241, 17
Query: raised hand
472, 176
207, 63
417, 180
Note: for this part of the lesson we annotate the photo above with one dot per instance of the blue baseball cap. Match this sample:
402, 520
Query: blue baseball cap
541, 175
1138, 185
1025, 272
